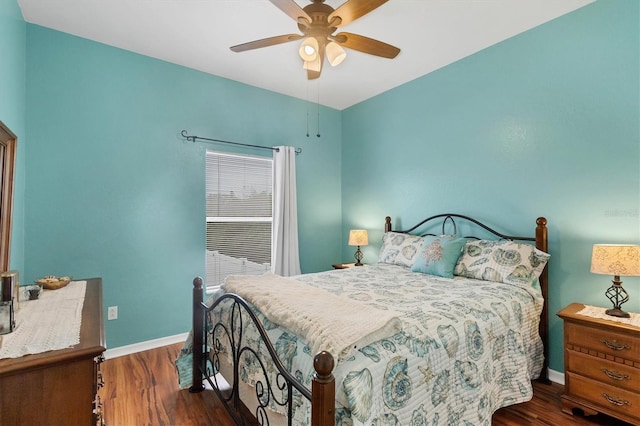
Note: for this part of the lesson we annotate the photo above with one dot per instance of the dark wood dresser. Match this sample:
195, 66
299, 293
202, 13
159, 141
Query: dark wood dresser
58, 387
601, 366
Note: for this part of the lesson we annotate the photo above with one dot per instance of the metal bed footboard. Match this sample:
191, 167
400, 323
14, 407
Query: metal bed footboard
278, 388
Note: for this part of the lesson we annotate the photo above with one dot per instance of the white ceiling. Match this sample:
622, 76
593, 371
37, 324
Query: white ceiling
198, 33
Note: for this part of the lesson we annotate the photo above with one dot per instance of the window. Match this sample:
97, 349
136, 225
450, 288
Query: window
239, 215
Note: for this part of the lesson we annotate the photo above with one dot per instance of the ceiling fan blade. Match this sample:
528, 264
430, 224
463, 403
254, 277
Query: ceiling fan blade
366, 45
312, 75
265, 42
291, 8
354, 9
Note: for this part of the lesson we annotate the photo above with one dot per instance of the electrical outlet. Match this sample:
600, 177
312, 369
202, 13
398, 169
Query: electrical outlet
112, 313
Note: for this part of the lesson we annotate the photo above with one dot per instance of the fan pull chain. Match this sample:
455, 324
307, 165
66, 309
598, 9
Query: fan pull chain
307, 99
318, 106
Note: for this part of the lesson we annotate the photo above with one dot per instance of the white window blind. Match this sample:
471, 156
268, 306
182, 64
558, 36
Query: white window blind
239, 215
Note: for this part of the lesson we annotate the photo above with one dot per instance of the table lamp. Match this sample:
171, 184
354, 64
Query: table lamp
617, 260
358, 237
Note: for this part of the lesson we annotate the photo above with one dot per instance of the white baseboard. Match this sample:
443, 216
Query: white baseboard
556, 376
145, 346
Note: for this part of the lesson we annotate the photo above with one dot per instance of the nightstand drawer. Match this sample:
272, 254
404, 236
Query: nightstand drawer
612, 399
594, 340
613, 373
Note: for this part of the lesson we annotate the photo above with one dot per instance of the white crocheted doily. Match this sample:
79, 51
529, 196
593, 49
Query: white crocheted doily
51, 322
596, 312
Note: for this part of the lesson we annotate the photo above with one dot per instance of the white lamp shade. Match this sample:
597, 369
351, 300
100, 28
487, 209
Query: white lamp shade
358, 237
616, 259
309, 49
313, 65
335, 53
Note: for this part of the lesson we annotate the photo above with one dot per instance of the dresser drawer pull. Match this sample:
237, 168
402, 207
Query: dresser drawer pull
615, 345
615, 400
615, 375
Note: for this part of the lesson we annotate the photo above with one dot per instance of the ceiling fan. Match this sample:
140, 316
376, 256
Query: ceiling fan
317, 22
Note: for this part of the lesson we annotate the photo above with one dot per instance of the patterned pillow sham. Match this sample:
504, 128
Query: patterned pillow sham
399, 249
438, 255
502, 261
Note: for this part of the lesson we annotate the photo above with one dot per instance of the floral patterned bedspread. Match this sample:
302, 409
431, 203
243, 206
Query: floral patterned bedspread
467, 348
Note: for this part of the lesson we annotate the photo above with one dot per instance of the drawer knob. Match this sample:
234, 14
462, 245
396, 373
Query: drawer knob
615, 400
613, 344
615, 375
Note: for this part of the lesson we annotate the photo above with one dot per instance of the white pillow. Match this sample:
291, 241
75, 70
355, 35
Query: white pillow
503, 261
399, 249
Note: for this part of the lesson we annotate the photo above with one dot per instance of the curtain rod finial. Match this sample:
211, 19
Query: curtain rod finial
185, 135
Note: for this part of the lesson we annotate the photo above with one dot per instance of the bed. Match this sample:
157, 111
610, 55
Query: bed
449, 326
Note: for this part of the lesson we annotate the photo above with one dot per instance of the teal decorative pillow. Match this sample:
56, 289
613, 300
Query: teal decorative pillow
503, 261
399, 249
438, 255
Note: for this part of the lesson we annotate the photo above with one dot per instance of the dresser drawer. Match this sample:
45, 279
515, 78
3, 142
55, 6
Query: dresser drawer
599, 341
613, 373
610, 399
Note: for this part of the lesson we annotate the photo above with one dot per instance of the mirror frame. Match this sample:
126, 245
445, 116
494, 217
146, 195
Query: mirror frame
8, 144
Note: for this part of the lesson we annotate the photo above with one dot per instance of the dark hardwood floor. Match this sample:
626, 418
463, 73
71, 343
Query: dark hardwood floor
142, 389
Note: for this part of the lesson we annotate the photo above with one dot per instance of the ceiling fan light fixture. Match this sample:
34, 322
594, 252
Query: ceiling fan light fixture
309, 49
335, 53
313, 65
317, 22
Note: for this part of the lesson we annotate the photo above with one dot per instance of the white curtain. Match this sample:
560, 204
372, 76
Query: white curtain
285, 259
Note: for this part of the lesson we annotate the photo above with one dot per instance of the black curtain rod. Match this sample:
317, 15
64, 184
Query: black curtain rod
195, 138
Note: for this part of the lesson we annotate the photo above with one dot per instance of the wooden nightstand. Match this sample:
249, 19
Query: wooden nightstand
343, 265
601, 366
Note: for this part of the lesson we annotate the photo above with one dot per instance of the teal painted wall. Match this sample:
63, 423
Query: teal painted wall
543, 124
112, 191
13, 51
